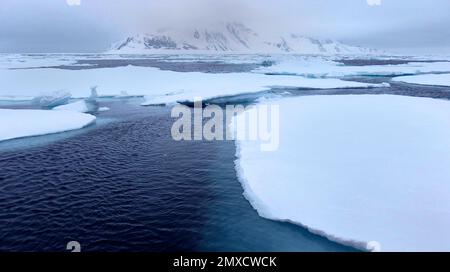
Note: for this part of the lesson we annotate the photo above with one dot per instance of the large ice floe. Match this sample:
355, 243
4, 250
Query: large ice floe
24, 123
432, 79
157, 85
320, 67
367, 171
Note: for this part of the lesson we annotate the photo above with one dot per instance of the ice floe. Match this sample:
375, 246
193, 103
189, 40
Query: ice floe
53, 99
24, 123
363, 170
431, 79
320, 67
159, 86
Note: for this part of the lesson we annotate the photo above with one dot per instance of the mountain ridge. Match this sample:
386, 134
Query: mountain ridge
229, 38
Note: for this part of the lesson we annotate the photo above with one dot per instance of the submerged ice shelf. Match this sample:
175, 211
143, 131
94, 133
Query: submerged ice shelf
357, 169
25, 123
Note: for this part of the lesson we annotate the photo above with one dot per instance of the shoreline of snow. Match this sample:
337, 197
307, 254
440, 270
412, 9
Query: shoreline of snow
16, 124
384, 186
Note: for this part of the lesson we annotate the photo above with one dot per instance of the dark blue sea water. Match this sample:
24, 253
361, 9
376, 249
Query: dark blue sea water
125, 185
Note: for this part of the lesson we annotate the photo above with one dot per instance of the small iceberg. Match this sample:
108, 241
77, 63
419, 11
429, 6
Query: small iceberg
94, 94
102, 109
53, 99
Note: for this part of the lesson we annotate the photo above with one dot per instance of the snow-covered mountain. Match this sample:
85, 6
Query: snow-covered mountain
229, 37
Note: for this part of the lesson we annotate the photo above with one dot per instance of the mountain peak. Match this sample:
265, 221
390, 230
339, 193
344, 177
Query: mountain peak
228, 37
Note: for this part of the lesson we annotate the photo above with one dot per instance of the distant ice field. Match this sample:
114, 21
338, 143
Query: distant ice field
158, 86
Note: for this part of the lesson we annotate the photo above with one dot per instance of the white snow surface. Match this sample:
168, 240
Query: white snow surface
78, 106
159, 86
321, 67
368, 171
24, 123
431, 79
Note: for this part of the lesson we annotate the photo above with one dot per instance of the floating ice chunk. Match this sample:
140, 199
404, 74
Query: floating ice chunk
78, 106
433, 79
103, 109
24, 123
94, 94
53, 99
357, 169
123, 94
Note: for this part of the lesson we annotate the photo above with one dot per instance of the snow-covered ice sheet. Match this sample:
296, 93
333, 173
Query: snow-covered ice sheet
158, 85
24, 123
431, 79
357, 169
320, 67
78, 106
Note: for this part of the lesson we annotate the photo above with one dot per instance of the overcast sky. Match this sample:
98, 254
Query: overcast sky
92, 25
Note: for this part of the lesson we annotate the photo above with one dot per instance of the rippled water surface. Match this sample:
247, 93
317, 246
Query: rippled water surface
125, 185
